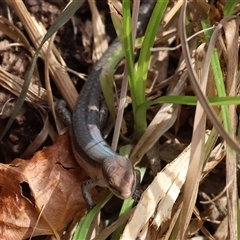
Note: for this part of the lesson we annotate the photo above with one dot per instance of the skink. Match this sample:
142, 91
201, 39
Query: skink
105, 167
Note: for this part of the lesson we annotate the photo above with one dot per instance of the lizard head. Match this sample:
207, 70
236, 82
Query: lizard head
120, 176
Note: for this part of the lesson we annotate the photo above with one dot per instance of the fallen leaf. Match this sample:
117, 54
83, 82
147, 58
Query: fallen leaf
47, 187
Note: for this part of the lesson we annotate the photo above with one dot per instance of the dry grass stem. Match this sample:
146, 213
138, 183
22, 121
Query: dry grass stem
231, 33
14, 84
158, 199
36, 32
100, 42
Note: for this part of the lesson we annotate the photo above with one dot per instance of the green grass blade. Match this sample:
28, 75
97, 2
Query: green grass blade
145, 53
128, 45
187, 100
218, 77
217, 72
84, 225
106, 79
229, 7
143, 63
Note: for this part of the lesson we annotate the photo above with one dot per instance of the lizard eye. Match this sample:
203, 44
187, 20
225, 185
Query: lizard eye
111, 184
114, 189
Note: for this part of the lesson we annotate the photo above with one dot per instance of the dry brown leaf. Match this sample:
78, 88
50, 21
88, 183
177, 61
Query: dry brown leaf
50, 182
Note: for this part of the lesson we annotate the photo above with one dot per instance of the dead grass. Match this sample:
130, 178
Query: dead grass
195, 193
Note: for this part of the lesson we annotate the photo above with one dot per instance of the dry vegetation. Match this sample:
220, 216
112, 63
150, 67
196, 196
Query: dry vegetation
42, 196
